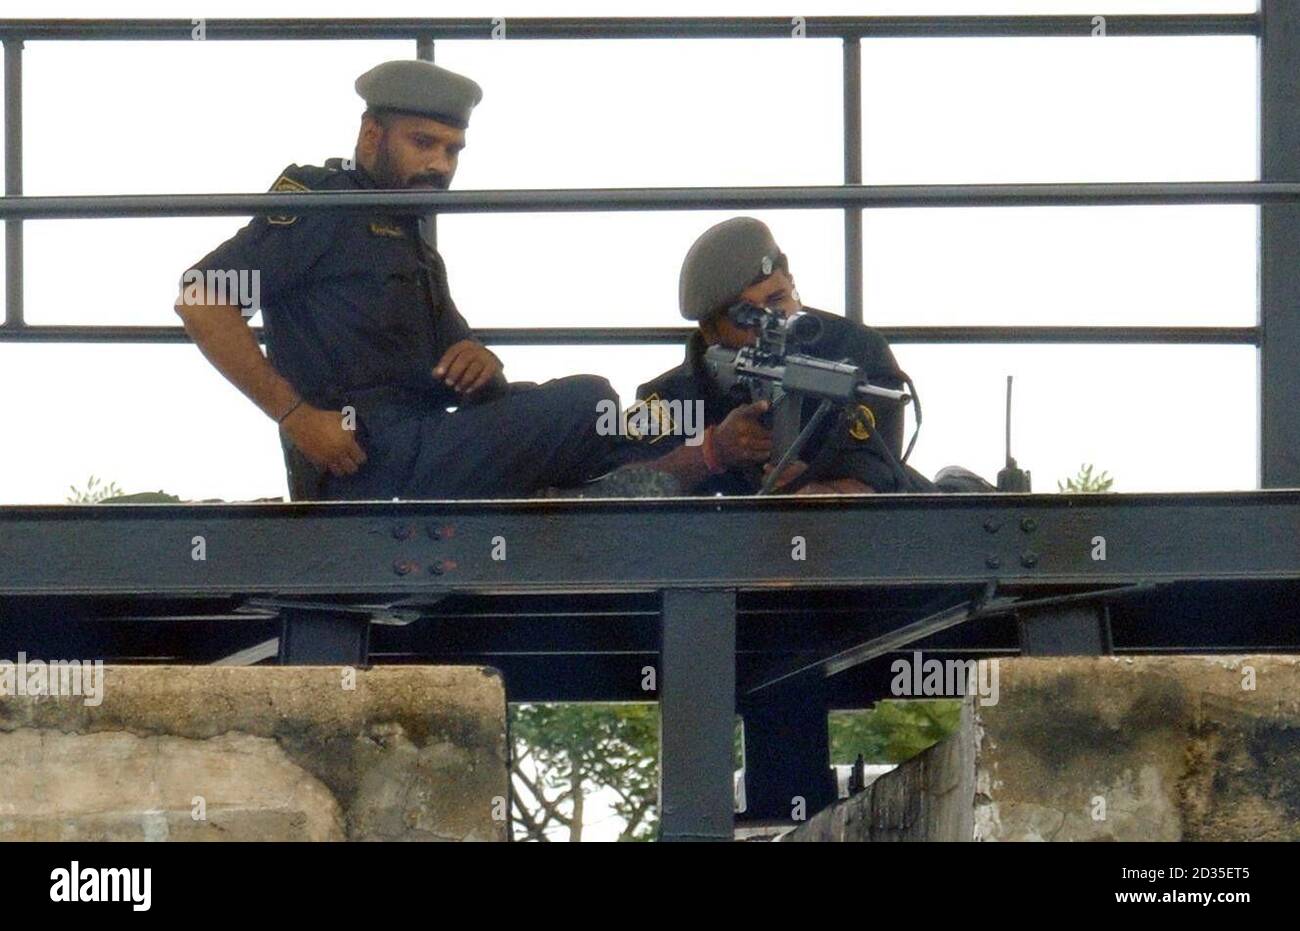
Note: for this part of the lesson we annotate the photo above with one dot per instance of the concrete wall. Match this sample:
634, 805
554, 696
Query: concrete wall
1133, 748
259, 753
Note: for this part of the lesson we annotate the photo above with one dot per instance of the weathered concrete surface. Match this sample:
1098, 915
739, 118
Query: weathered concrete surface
273, 753
1141, 748
930, 797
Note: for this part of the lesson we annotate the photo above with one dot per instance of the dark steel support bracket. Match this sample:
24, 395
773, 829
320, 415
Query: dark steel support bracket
856, 655
1058, 619
1081, 629
697, 695
321, 638
787, 751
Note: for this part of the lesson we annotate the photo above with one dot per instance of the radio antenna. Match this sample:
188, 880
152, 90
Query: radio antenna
1012, 478
1008, 430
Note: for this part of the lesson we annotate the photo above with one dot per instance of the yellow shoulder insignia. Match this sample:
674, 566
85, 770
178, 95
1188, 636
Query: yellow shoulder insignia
284, 184
635, 425
861, 423
650, 419
380, 228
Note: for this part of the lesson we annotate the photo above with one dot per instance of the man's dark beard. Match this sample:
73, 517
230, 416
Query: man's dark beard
433, 179
386, 174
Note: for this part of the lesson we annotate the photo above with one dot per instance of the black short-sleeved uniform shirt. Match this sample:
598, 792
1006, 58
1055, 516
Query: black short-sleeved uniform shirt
355, 305
852, 453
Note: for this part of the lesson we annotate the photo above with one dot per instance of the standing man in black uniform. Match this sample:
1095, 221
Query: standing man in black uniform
738, 260
366, 351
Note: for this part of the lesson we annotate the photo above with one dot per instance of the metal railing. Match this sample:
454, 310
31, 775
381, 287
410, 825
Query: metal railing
1276, 26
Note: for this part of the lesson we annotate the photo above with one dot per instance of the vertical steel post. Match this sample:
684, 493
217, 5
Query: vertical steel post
853, 175
424, 52
1279, 243
697, 713
13, 181
788, 773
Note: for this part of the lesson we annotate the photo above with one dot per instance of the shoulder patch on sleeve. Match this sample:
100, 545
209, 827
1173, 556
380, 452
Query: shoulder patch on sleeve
650, 418
861, 423
283, 185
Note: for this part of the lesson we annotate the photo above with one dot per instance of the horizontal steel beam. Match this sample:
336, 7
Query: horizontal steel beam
774, 27
1244, 336
605, 546
503, 336
592, 200
642, 336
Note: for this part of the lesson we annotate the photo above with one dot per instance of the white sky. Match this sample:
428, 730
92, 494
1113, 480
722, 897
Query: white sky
157, 117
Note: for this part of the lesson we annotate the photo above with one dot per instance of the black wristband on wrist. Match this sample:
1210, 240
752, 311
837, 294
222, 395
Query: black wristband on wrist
294, 407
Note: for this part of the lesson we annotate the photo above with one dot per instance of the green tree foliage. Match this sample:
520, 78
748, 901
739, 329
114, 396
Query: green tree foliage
564, 752
892, 731
1085, 481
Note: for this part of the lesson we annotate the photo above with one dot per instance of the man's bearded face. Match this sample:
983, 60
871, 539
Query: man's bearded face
417, 152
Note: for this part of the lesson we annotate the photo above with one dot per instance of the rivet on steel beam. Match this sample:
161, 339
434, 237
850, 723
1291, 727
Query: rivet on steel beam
402, 531
1028, 525
435, 533
993, 562
992, 526
403, 566
435, 568
1029, 560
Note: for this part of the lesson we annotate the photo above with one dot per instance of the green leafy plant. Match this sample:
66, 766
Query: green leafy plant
1084, 481
94, 492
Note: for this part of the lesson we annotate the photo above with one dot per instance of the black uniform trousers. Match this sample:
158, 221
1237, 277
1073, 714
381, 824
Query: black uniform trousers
530, 438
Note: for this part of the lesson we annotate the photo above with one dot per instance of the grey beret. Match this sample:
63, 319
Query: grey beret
422, 88
724, 261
